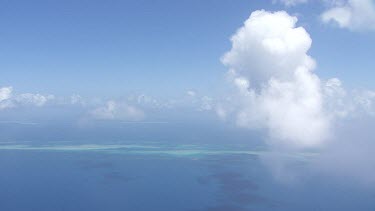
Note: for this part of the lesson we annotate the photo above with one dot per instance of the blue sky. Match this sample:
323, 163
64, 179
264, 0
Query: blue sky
162, 48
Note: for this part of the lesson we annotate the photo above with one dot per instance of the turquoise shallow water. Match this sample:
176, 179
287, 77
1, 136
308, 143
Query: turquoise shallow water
149, 149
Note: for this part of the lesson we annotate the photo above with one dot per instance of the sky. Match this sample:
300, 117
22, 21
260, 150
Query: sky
161, 48
300, 72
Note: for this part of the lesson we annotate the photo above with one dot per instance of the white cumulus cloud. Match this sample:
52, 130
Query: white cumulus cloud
5, 95
117, 111
274, 75
356, 15
191, 93
33, 99
8, 99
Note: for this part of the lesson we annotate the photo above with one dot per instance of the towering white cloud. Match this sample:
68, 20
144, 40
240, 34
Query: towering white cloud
270, 66
356, 15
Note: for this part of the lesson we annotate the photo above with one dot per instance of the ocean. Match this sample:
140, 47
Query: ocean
152, 172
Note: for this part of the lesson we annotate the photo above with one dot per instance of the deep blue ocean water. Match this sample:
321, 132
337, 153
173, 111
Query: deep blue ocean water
154, 172
57, 180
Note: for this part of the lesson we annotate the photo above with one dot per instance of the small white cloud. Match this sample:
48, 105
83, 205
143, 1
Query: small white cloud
347, 104
8, 99
5, 93
221, 112
289, 3
356, 15
191, 93
77, 100
33, 99
366, 101
336, 98
206, 103
148, 101
117, 111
